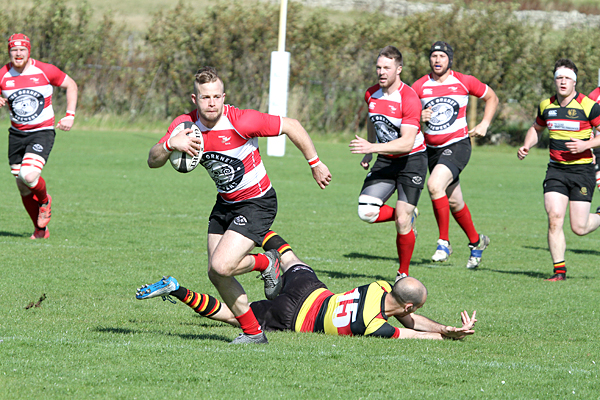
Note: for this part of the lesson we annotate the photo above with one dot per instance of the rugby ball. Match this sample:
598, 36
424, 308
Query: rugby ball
183, 162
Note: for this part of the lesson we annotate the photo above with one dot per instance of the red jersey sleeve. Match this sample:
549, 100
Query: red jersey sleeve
251, 123
370, 91
55, 76
595, 95
177, 121
473, 85
411, 107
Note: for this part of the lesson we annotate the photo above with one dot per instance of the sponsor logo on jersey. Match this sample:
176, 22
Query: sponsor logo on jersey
240, 220
37, 147
427, 91
392, 108
225, 139
227, 172
447, 152
371, 106
552, 113
444, 113
34, 80
572, 126
572, 113
10, 84
26, 105
453, 88
417, 180
385, 130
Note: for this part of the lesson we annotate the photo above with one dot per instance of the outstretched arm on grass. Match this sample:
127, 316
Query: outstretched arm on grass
420, 327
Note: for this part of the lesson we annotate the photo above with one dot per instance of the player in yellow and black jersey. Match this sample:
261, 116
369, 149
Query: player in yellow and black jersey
570, 179
304, 304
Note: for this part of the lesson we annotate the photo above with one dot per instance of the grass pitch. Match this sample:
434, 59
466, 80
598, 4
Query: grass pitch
117, 224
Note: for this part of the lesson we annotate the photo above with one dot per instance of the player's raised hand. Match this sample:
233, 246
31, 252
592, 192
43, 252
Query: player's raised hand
65, 124
366, 160
321, 174
480, 130
522, 152
426, 114
465, 330
576, 146
186, 144
360, 146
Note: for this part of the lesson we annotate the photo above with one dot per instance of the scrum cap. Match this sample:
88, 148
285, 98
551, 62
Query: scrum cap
443, 47
18, 39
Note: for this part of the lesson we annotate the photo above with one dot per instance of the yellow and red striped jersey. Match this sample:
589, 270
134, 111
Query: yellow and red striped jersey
359, 311
576, 121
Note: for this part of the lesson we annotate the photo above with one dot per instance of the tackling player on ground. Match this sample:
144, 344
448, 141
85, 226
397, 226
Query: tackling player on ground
306, 305
246, 202
444, 94
394, 133
570, 117
27, 86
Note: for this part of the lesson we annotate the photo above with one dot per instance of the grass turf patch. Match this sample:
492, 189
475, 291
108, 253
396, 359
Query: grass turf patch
117, 224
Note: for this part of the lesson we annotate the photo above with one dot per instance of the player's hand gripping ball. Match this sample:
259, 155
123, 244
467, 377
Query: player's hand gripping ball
183, 162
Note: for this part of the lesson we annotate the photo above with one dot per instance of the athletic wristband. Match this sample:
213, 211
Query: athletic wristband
167, 146
70, 113
313, 162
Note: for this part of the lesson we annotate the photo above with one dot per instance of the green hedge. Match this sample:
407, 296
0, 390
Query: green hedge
150, 76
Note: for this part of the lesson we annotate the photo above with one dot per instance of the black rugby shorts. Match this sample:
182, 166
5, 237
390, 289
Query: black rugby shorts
38, 142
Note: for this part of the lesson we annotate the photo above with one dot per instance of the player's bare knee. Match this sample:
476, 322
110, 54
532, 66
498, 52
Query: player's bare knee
368, 208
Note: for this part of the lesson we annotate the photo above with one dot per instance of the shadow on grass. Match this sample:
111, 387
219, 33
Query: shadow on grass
369, 257
342, 275
576, 251
536, 275
12, 234
185, 336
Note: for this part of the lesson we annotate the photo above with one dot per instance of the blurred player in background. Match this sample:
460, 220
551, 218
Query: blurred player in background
570, 117
595, 95
306, 305
246, 202
444, 95
27, 86
394, 133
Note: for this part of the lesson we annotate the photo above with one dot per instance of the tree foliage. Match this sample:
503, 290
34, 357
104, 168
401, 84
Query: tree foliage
332, 63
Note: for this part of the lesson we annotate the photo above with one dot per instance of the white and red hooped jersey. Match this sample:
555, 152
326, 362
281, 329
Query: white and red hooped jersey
231, 155
448, 101
389, 113
29, 94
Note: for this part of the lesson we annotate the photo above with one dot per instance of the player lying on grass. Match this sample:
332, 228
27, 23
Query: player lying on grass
306, 305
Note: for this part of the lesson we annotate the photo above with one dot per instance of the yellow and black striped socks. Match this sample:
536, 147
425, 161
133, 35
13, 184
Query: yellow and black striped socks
203, 304
273, 241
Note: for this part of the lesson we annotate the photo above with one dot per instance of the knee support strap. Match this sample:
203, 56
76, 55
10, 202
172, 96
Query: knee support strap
31, 165
368, 208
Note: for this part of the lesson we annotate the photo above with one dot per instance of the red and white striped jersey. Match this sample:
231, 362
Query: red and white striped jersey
29, 94
231, 155
448, 101
389, 112
595, 95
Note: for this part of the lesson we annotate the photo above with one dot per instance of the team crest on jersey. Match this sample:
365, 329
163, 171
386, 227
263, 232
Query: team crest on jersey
572, 113
227, 172
26, 105
385, 130
444, 113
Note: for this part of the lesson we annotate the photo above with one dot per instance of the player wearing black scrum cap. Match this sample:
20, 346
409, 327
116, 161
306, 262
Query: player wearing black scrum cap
444, 95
